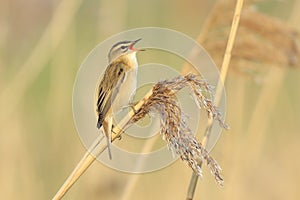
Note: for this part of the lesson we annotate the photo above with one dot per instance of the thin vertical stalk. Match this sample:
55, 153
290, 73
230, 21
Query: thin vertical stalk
223, 75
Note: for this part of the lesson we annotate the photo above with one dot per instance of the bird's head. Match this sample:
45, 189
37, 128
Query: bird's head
123, 48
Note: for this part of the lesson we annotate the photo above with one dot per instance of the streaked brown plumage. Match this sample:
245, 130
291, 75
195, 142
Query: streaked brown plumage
117, 87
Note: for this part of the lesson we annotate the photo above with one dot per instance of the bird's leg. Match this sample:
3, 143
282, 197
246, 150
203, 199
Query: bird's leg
112, 130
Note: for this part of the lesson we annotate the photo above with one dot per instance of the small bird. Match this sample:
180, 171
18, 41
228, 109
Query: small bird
117, 87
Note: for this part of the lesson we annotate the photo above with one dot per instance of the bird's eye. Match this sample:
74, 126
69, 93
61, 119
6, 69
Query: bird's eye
123, 47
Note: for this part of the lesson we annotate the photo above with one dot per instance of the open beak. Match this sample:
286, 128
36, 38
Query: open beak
131, 47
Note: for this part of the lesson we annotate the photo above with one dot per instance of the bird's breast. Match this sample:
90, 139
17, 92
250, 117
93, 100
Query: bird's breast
127, 89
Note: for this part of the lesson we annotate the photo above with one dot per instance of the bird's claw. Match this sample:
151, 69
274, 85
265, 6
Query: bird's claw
112, 130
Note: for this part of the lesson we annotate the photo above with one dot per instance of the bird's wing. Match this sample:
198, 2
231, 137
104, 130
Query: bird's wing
108, 90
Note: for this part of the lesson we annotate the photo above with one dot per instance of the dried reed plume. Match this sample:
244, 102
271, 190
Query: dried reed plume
271, 40
174, 129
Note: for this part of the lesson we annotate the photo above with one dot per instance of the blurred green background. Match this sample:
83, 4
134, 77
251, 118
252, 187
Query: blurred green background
43, 43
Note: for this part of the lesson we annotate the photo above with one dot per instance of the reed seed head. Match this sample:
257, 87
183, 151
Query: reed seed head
174, 128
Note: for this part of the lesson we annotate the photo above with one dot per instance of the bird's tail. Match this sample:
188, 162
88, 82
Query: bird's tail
99, 122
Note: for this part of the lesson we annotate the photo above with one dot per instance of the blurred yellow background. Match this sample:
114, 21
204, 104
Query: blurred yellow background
43, 43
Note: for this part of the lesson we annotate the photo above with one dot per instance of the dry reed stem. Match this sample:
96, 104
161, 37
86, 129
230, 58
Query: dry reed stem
278, 48
186, 69
272, 43
174, 128
223, 75
94, 151
192, 186
226, 61
80, 168
53, 35
227, 56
